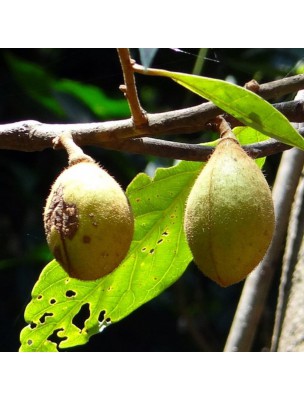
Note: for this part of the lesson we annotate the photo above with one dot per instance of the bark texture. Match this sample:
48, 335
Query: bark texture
292, 335
289, 329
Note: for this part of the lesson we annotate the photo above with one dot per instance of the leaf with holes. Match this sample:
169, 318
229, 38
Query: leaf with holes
66, 312
241, 103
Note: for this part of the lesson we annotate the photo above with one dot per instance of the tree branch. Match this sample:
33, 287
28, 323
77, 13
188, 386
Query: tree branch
124, 136
281, 87
35, 136
129, 89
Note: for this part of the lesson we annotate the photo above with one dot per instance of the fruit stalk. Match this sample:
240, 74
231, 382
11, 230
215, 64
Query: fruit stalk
75, 153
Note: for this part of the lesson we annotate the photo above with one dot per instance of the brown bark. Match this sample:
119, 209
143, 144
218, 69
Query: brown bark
289, 327
292, 335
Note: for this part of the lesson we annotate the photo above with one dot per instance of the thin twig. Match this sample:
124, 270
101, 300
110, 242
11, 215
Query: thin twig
139, 116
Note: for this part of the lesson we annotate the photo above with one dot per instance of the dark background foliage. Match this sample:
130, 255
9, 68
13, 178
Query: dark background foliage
194, 314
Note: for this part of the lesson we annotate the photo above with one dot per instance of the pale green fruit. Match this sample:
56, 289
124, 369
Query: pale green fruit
229, 216
88, 221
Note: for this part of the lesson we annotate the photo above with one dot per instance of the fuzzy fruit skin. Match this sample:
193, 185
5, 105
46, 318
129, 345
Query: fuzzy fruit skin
88, 221
229, 216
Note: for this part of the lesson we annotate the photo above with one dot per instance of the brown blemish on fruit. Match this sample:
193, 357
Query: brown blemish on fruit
86, 239
61, 215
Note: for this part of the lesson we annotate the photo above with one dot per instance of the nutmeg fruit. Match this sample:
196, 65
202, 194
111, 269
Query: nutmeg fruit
229, 216
88, 221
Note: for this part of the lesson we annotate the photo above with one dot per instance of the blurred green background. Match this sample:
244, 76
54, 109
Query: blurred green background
81, 85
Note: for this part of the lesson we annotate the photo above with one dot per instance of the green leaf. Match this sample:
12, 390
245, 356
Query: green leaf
241, 103
158, 256
94, 98
247, 135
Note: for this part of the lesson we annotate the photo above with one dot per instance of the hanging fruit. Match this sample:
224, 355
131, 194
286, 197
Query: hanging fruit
229, 216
